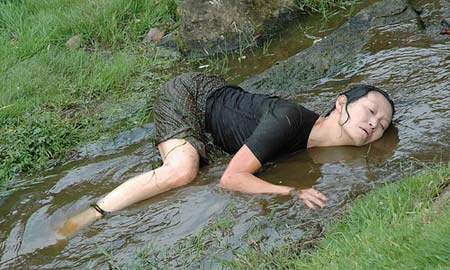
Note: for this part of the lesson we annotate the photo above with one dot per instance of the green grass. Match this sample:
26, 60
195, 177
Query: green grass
38, 68
394, 227
325, 8
50, 94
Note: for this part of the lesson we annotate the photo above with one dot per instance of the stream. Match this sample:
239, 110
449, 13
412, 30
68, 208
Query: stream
409, 65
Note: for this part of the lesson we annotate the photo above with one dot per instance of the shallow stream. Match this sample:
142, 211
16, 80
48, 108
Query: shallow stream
414, 69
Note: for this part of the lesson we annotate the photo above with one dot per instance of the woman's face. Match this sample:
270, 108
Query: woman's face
369, 118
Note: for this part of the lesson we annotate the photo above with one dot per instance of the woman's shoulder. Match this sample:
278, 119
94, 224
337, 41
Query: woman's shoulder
287, 107
293, 110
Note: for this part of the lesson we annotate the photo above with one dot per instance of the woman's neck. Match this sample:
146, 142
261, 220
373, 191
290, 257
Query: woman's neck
327, 132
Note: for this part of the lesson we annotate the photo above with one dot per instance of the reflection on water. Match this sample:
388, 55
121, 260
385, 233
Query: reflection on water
414, 69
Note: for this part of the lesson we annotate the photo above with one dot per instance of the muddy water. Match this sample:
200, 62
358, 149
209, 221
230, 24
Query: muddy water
410, 66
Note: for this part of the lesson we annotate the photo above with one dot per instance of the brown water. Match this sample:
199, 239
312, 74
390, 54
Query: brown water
410, 66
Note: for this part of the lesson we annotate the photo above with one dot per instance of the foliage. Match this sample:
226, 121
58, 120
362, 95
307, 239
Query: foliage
33, 143
53, 97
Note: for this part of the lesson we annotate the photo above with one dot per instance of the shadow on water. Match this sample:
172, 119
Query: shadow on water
410, 66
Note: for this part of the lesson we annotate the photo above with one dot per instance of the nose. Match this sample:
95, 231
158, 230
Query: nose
373, 124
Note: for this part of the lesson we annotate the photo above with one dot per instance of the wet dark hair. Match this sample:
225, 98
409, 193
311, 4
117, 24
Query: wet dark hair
359, 91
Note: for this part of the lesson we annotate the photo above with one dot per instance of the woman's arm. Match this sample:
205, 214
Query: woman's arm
239, 176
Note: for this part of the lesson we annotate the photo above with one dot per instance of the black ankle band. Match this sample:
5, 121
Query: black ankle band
98, 209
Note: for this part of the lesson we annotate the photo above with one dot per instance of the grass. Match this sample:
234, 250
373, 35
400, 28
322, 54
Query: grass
394, 227
325, 8
53, 98
50, 94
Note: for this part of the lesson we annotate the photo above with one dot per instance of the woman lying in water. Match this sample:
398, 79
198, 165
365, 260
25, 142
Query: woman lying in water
255, 128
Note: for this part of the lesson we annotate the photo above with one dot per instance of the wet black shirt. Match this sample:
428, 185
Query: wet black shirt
269, 126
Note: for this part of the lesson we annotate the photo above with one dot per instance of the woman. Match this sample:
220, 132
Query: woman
194, 107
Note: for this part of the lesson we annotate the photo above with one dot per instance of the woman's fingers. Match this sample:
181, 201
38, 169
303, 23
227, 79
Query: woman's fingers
312, 197
313, 200
309, 204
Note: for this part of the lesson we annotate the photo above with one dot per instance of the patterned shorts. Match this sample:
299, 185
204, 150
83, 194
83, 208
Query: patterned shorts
179, 112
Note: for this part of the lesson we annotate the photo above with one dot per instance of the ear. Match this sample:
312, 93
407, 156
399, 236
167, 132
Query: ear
340, 103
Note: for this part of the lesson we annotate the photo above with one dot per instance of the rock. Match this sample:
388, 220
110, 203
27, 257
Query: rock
208, 27
163, 52
169, 41
445, 27
167, 53
432, 16
327, 57
74, 42
154, 35
444, 197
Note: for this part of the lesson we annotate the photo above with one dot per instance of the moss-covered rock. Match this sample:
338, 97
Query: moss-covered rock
329, 56
215, 26
432, 15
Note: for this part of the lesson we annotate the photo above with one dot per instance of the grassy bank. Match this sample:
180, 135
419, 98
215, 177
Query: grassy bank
53, 98
399, 226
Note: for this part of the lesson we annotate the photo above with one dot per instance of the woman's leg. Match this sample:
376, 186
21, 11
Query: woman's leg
180, 167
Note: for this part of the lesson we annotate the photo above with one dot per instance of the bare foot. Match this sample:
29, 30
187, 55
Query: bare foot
74, 224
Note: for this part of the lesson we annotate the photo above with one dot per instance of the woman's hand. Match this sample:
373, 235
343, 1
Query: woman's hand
312, 198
